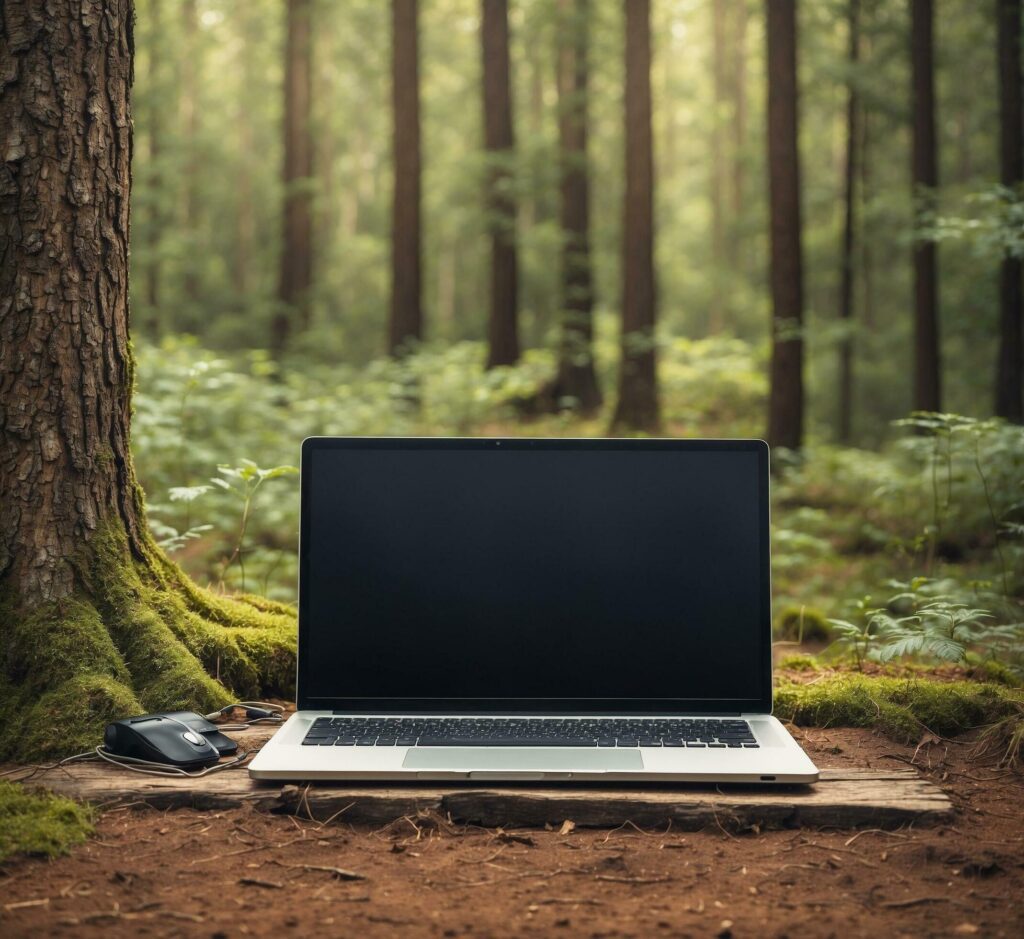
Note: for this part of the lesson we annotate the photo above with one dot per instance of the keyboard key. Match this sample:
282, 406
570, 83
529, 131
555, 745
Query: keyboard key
385, 741
366, 741
650, 742
405, 742
345, 742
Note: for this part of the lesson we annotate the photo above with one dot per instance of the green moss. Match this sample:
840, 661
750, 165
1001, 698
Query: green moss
802, 624
132, 639
901, 708
798, 663
56, 642
68, 718
990, 670
39, 823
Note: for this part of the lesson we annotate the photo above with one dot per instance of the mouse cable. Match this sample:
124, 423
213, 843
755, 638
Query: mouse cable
152, 768
259, 712
32, 769
136, 765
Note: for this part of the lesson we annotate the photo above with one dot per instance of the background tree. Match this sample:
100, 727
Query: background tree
406, 321
190, 72
786, 392
1009, 402
576, 378
296, 278
637, 407
851, 171
95, 621
927, 368
503, 326
719, 168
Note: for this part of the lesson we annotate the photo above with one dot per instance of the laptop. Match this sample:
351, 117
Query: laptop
534, 609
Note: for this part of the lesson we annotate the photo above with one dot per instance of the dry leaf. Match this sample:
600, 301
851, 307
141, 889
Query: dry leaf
567, 827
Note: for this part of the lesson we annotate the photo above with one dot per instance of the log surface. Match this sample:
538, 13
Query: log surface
841, 799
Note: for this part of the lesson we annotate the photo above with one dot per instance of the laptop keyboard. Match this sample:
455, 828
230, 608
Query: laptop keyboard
700, 733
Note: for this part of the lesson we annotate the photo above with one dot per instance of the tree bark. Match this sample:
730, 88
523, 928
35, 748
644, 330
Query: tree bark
739, 121
848, 248
719, 167
575, 386
95, 622
1009, 383
156, 182
190, 71
405, 327
638, 407
296, 275
786, 394
927, 369
503, 326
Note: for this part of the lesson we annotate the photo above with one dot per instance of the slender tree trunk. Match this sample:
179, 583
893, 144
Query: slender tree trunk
637, 407
191, 70
867, 254
95, 621
575, 385
503, 326
719, 167
156, 133
296, 275
848, 247
245, 216
786, 395
406, 324
1009, 403
739, 120
927, 369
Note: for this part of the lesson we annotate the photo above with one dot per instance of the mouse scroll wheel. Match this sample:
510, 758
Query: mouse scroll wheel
193, 738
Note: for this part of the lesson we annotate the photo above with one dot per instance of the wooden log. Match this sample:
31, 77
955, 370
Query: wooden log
842, 799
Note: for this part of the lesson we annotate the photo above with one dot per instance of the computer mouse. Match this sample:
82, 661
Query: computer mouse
161, 739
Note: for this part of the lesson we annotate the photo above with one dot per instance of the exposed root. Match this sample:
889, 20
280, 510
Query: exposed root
137, 636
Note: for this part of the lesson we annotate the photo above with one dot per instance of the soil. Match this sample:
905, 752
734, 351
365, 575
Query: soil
244, 873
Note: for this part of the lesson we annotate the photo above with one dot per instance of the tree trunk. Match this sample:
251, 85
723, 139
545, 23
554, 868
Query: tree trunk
927, 380
739, 122
786, 395
1009, 403
245, 216
848, 248
575, 384
719, 167
190, 71
503, 327
296, 276
95, 622
405, 327
156, 133
637, 407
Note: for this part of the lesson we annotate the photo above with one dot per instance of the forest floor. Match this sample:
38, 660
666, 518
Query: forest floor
243, 872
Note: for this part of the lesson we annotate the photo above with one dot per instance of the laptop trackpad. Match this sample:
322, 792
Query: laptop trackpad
572, 759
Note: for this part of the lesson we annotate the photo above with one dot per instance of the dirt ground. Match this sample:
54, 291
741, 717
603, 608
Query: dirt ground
244, 873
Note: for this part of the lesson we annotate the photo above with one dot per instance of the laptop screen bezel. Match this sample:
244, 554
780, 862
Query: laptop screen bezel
761, 632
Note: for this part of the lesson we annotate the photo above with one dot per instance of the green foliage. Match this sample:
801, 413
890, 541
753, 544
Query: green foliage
39, 823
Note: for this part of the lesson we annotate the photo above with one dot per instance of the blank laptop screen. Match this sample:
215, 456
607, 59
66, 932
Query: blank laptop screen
534, 573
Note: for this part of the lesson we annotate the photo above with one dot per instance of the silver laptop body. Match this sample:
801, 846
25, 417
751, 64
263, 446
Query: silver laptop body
534, 609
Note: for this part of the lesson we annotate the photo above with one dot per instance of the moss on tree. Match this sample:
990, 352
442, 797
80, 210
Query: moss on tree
137, 636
